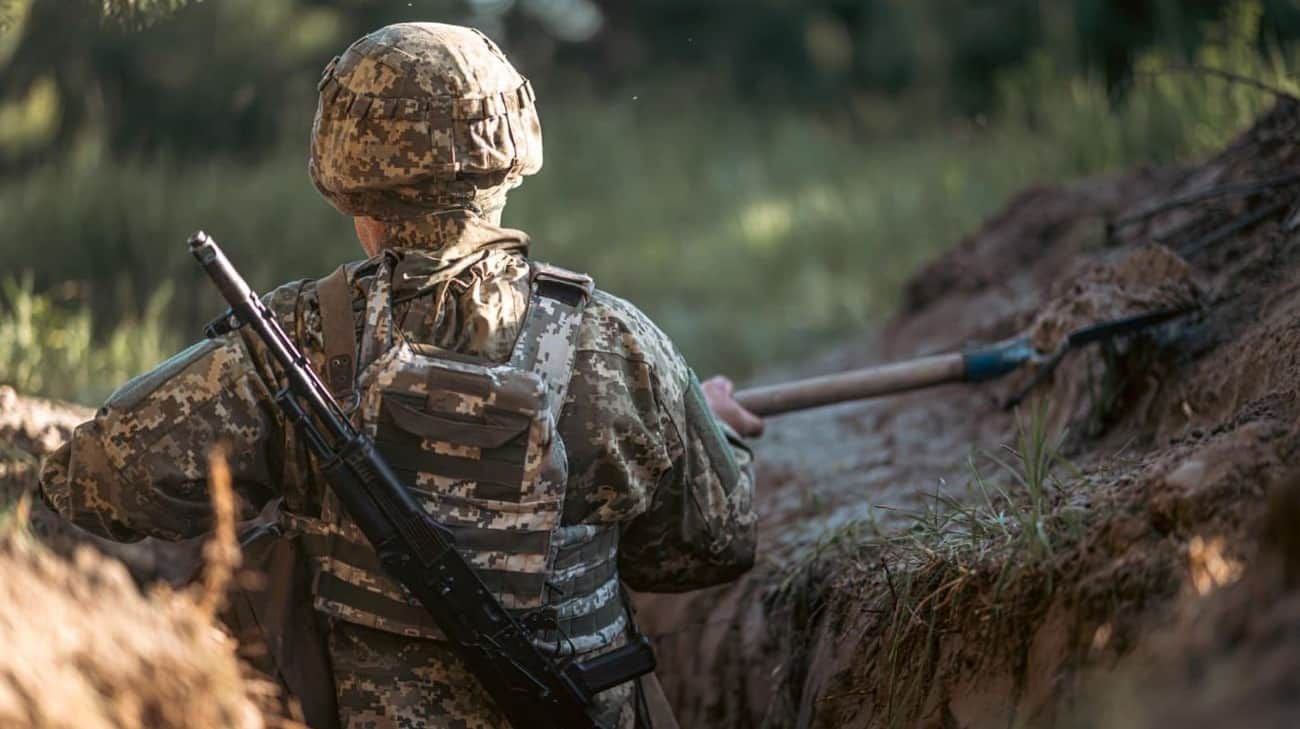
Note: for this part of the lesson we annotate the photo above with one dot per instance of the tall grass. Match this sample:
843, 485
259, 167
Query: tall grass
47, 347
748, 236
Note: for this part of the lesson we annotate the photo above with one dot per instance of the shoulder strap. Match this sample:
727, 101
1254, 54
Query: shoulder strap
338, 329
548, 340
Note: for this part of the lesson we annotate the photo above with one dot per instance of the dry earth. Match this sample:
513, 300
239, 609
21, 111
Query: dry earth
1148, 580
1150, 564
83, 645
85, 649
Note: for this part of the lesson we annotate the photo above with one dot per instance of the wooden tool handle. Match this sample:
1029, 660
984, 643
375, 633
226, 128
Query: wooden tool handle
854, 385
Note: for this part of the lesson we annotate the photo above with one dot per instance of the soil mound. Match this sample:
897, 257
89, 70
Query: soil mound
1151, 279
1226, 659
933, 560
84, 648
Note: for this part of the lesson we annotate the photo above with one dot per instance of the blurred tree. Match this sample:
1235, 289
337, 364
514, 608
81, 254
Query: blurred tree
231, 77
190, 77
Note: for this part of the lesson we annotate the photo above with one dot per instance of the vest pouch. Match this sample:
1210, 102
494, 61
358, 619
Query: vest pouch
490, 430
459, 431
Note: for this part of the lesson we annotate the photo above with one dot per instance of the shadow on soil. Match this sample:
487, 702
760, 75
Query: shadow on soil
1120, 555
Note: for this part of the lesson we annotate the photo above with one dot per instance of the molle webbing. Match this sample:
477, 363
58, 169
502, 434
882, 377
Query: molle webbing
546, 343
586, 569
478, 444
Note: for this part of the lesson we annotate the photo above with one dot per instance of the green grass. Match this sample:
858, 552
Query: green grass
1014, 514
982, 554
986, 560
750, 236
48, 348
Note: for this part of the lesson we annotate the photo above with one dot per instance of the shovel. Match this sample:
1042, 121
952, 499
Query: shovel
974, 365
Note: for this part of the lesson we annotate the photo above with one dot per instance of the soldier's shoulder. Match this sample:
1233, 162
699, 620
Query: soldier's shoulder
615, 326
296, 305
292, 295
288, 297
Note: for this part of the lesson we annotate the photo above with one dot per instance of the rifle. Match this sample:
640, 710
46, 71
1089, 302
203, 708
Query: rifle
976, 365
530, 688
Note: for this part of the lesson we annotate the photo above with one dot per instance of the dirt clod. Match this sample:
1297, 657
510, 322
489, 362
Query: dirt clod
1150, 279
83, 648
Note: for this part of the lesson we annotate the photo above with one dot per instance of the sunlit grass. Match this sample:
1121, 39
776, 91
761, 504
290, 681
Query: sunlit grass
47, 347
751, 236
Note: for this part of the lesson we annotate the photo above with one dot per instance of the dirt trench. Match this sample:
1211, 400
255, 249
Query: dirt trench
891, 591
1132, 587
84, 648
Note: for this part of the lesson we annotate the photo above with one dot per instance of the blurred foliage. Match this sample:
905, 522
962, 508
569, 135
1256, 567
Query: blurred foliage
234, 76
47, 347
750, 229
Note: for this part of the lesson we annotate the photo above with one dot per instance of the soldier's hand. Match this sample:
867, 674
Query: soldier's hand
718, 392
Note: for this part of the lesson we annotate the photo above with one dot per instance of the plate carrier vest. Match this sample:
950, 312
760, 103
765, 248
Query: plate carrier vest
478, 444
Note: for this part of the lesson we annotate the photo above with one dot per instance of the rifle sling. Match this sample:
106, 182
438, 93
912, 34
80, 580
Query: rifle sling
530, 688
338, 330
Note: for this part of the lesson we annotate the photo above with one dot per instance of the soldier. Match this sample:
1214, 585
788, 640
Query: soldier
420, 132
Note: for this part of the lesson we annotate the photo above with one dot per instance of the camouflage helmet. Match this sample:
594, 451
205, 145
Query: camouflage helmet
420, 117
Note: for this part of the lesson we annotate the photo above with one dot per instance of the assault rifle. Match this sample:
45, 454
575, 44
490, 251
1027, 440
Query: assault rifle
531, 688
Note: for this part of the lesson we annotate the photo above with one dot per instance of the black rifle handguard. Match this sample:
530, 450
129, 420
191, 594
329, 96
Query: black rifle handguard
530, 688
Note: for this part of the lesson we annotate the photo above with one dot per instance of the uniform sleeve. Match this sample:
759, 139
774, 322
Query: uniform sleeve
647, 454
139, 467
700, 528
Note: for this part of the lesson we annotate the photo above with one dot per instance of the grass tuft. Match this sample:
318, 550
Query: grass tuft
977, 562
977, 558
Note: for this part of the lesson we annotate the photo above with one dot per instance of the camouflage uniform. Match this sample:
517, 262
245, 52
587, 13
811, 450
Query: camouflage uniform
644, 452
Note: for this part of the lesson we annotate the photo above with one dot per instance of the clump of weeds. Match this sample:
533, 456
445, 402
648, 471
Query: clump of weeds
981, 564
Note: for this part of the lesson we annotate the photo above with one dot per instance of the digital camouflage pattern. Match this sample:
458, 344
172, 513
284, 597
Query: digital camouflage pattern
387, 682
384, 680
644, 454
477, 442
417, 117
426, 127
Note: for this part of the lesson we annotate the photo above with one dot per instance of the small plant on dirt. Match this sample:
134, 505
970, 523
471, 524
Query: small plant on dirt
980, 561
1008, 514
1032, 464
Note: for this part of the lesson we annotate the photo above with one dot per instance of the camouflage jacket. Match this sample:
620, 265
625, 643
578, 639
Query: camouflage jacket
644, 451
